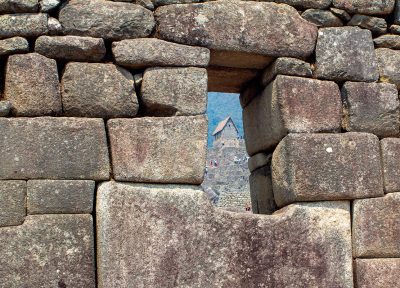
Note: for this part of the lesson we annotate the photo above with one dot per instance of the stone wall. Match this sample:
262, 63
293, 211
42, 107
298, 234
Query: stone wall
103, 143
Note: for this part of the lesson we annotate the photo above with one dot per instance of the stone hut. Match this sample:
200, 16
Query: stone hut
226, 130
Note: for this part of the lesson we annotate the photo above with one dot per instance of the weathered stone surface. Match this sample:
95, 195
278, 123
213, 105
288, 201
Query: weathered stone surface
98, 90
346, 54
5, 108
163, 232
71, 48
368, 7
229, 80
60, 196
371, 108
32, 86
376, 227
13, 45
377, 273
286, 66
388, 41
174, 91
262, 196
322, 18
49, 5
106, 19
12, 203
377, 25
342, 14
147, 52
159, 150
19, 6
242, 60
316, 167
395, 29
24, 25
53, 148
54, 26
259, 160
388, 63
48, 251
260, 28
390, 148
305, 4
291, 105
170, 2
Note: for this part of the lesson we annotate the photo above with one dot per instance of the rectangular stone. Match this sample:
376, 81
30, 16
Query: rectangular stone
60, 196
53, 148
376, 227
388, 61
377, 273
13, 45
12, 202
229, 80
318, 167
159, 150
291, 105
19, 6
390, 149
24, 25
262, 196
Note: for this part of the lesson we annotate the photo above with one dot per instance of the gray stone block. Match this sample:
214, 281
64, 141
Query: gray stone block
20, 6
376, 7
377, 273
388, 41
24, 25
376, 25
388, 63
13, 45
305, 4
322, 18
12, 202
60, 196
53, 148
262, 196
390, 149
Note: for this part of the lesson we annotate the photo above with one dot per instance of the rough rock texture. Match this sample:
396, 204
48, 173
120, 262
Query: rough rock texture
316, 167
13, 45
304, 4
49, 5
377, 273
372, 108
54, 26
322, 18
53, 148
106, 19
5, 108
291, 105
369, 7
24, 25
60, 196
388, 63
98, 90
286, 66
262, 196
71, 48
48, 251
242, 60
229, 80
376, 227
159, 150
342, 14
147, 52
388, 41
171, 236
19, 6
170, 2
12, 203
32, 86
390, 149
261, 28
377, 25
395, 29
174, 91
346, 54
259, 160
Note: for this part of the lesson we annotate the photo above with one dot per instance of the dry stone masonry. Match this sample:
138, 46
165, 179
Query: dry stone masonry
103, 142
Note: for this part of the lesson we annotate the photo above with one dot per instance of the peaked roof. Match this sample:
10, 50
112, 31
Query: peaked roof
221, 125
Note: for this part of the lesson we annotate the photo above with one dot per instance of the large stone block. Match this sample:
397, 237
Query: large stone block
147, 52
374, 7
241, 60
71, 48
377, 25
98, 90
12, 202
48, 251
291, 105
106, 19
258, 27
388, 63
229, 80
390, 149
53, 148
159, 150
346, 54
372, 108
174, 91
322, 18
376, 227
20, 6
316, 167
32, 86
24, 25
171, 236
60, 196
262, 196
377, 273
305, 4
13, 45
